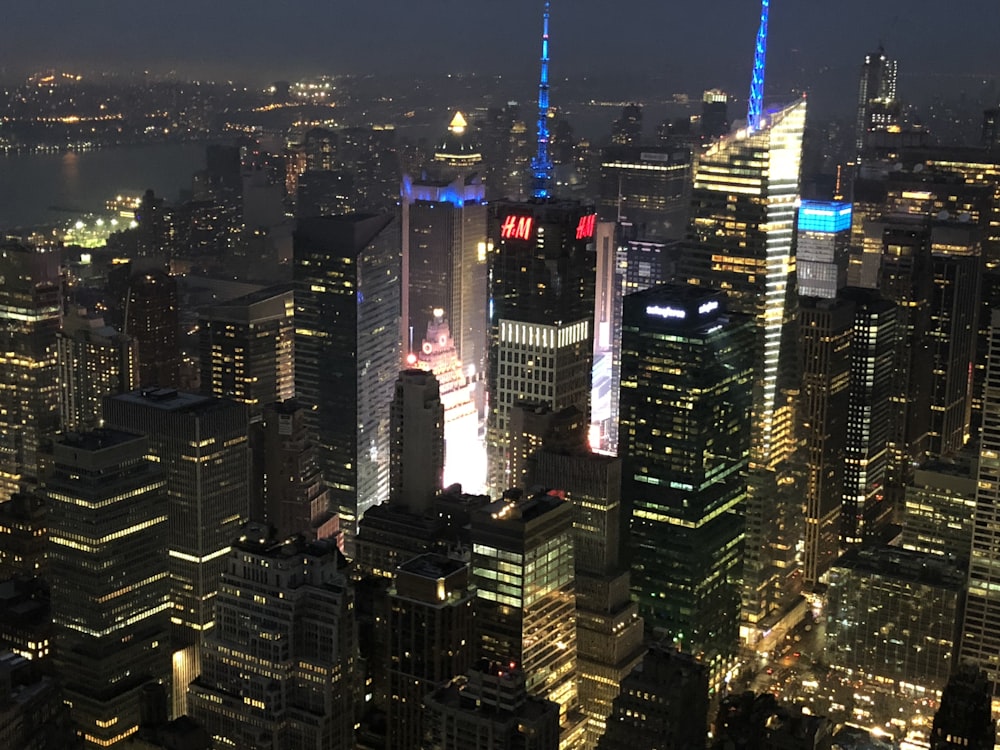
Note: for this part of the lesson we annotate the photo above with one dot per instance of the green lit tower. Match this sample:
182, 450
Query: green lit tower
686, 395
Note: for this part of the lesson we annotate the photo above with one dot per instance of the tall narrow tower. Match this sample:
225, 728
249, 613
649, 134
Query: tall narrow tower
541, 165
756, 102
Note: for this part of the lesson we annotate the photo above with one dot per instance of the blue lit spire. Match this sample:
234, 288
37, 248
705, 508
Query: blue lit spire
541, 165
756, 104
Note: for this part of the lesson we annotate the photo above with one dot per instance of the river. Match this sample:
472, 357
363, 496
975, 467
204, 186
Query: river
32, 184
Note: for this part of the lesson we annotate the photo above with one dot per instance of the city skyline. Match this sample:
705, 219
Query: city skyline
811, 46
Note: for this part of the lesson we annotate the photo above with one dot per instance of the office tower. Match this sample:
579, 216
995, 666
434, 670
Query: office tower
522, 568
647, 188
95, 360
416, 440
687, 377
824, 233
202, 444
430, 630
534, 425
741, 239
24, 536
347, 352
542, 277
826, 327
939, 508
287, 489
278, 669
443, 216
608, 627
991, 128
872, 592
464, 453
26, 617
714, 114
878, 107
759, 722
30, 316
866, 453
246, 348
32, 712
627, 129
906, 278
980, 637
964, 719
110, 586
956, 261
663, 704
151, 318
489, 709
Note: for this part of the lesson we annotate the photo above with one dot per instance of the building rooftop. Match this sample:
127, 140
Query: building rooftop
432, 567
895, 562
172, 400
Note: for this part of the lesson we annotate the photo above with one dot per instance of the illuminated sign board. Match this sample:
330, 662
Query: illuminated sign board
708, 307
828, 217
585, 227
516, 227
665, 312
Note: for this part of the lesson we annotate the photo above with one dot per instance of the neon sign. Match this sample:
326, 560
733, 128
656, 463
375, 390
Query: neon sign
665, 312
708, 307
516, 227
585, 227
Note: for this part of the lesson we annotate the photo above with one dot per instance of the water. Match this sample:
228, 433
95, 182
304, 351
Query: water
32, 184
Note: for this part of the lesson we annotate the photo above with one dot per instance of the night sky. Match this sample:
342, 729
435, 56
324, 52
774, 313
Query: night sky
694, 44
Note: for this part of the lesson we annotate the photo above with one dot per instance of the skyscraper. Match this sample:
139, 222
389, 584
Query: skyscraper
741, 239
110, 586
522, 567
964, 719
878, 107
202, 444
873, 345
94, 361
347, 296
246, 348
687, 369
416, 442
278, 671
826, 328
30, 316
151, 318
824, 232
980, 637
443, 215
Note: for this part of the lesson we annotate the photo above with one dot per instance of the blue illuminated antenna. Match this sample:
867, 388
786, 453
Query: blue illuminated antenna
541, 165
756, 105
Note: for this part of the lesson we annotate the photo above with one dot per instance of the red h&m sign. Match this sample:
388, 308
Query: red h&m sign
585, 227
516, 227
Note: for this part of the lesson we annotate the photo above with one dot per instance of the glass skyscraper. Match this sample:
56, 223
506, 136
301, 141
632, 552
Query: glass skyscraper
741, 238
687, 370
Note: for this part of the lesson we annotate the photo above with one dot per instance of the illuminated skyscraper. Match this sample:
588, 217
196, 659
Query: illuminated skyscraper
741, 239
878, 107
110, 586
278, 671
347, 296
980, 636
824, 232
443, 216
30, 316
522, 567
202, 445
687, 373
464, 454
246, 348
94, 361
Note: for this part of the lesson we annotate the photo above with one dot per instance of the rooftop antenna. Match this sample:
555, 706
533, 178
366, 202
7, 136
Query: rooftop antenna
755, 106
541, 165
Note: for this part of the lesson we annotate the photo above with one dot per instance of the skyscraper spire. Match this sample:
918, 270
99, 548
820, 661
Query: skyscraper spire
756, 103
541, 165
